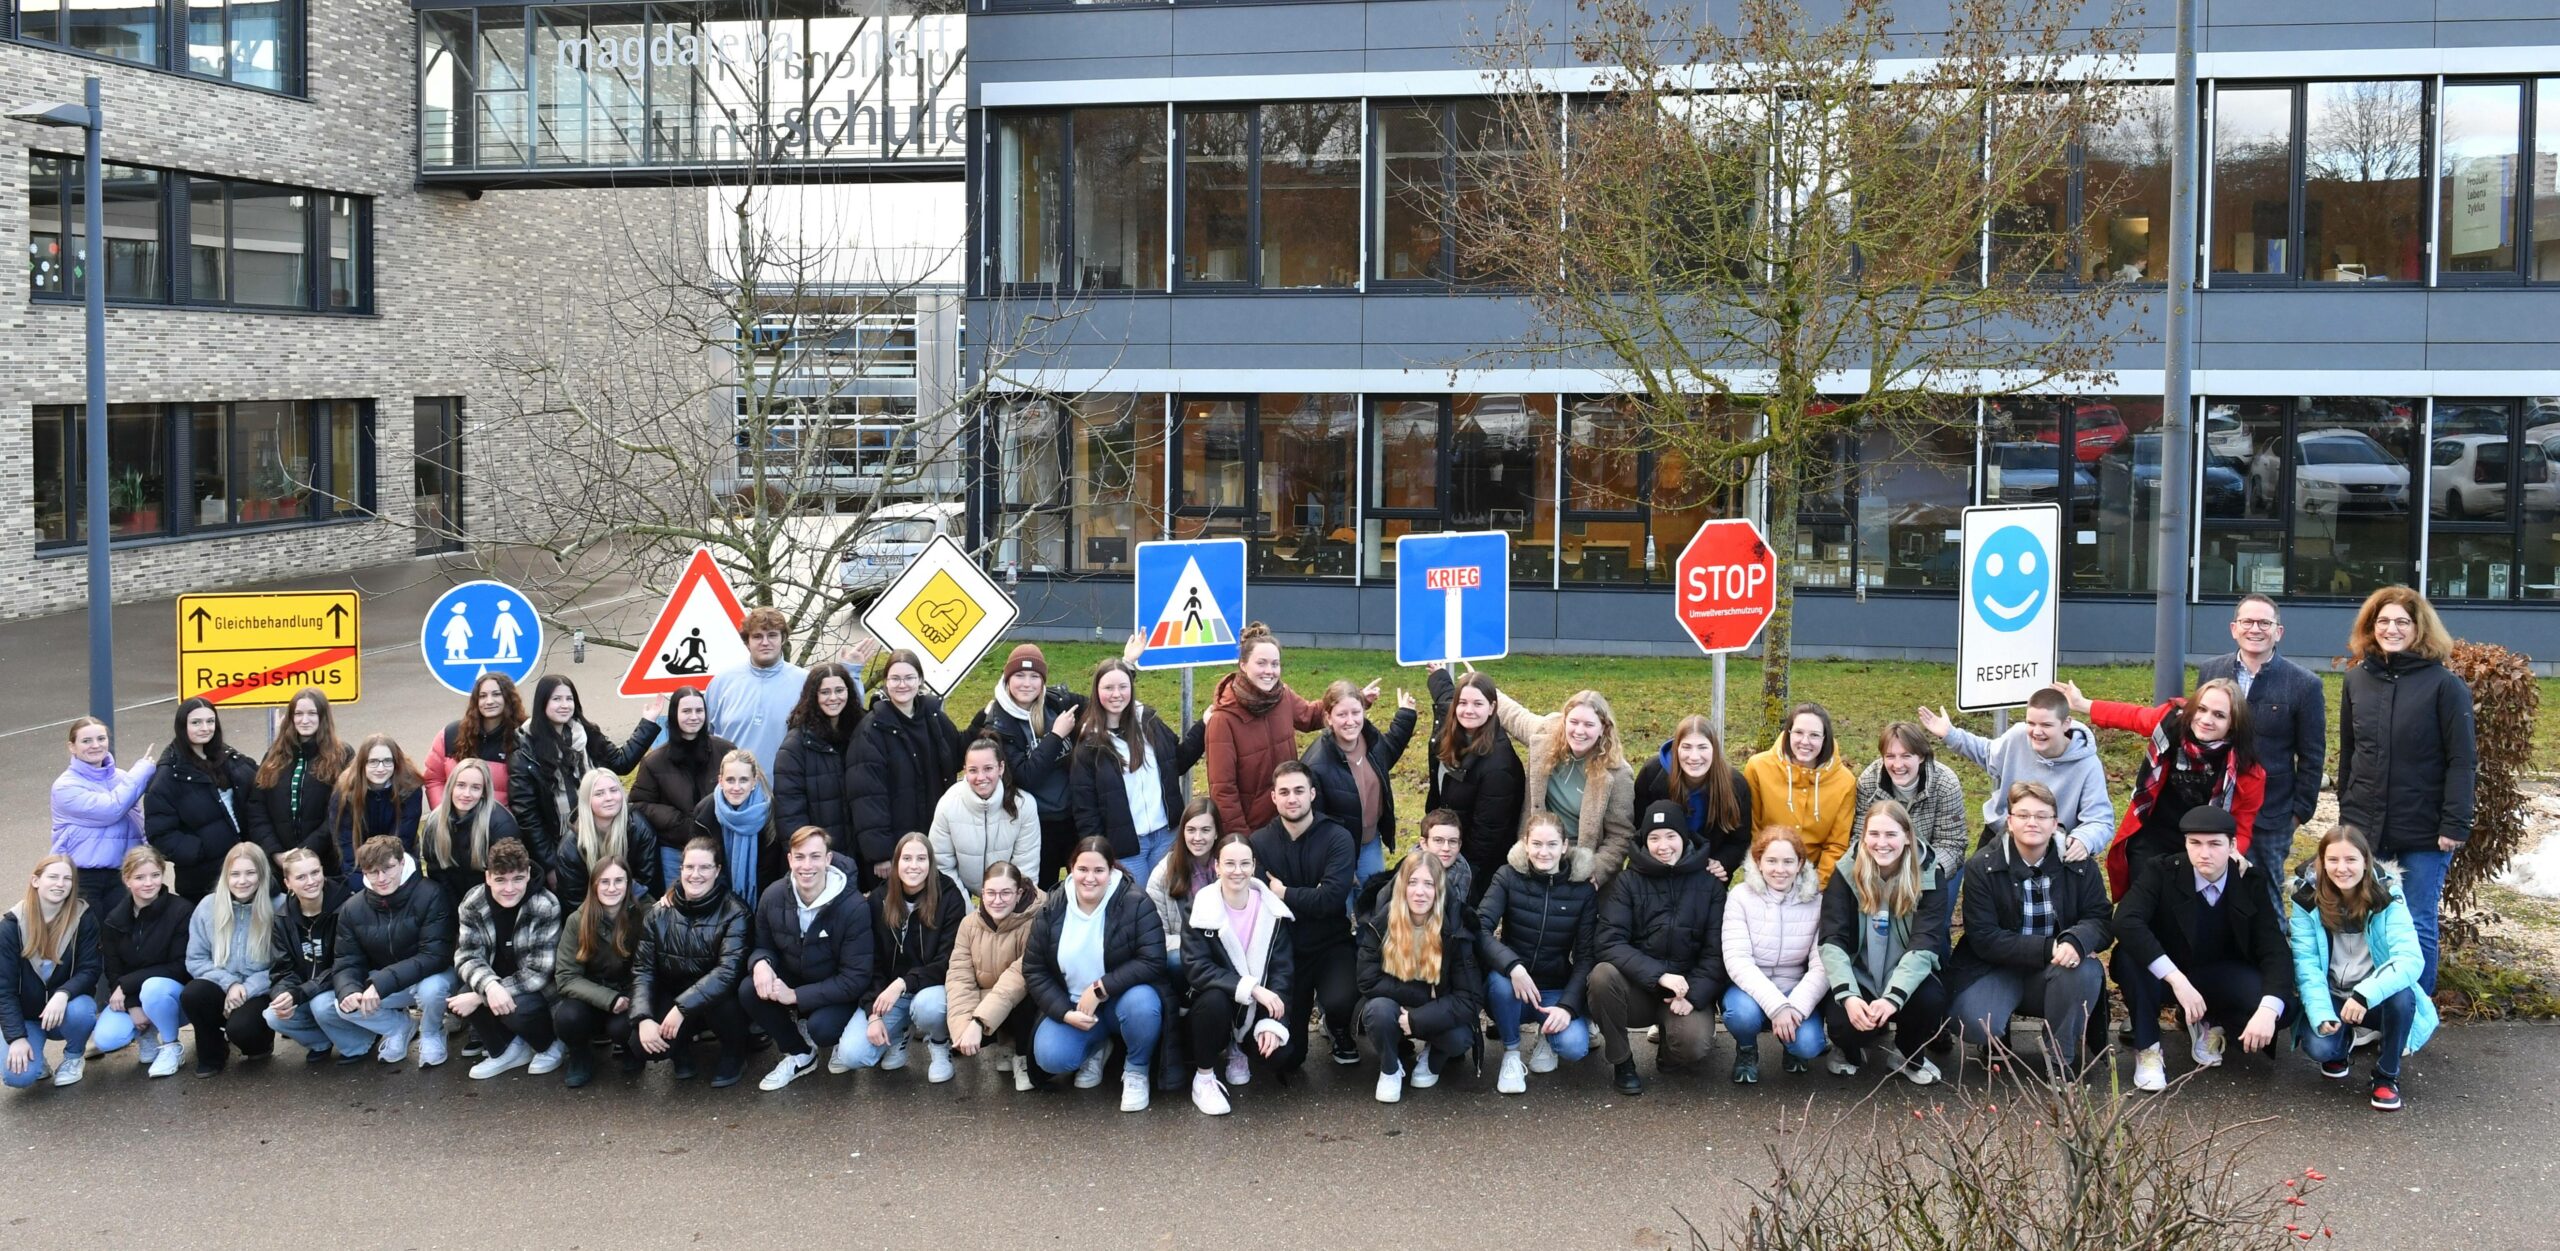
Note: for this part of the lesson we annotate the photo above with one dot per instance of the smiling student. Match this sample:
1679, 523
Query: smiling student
510, 939
2201, 753
2356, 965
813, 962
1802, 783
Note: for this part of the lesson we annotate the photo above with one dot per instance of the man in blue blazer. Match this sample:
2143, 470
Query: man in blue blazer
2290, 714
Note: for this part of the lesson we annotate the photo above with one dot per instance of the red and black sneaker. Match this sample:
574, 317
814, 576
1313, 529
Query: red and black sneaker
2386, 1093
2334, 1070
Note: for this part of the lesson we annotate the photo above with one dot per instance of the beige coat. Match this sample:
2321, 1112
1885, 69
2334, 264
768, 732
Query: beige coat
985, 980
1608, 825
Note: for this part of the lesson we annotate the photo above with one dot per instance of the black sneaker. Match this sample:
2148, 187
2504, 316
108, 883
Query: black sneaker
1746, 1070
578, 1070
1795, 1065
728, 1071
2386, 1092
1345, 1052
346, 1058
2334, 1070
1628, 1082
208, 1066
315, 1057
682, 1063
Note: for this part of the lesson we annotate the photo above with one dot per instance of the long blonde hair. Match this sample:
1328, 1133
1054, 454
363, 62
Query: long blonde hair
435, 833
1606, 754
1894, 891
596, 844
1411, 949
262, 908
47, 940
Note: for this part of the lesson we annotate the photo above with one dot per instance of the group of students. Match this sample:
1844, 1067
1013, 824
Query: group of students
797, 868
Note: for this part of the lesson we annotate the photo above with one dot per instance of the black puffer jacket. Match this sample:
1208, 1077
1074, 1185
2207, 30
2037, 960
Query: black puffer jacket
307, 947
1453, 1002
899, 765
23, 993
831, 962
1132, 946
1486, 790
691, 952
811, 787
391, 941
1338, 796
1035, 760
1099, 796
186, 821
1667, 918
920, 950
303, 816
673, 778
140, 945
571, 873
458, 878
533, 773
2408, 760
1728, 846
1545, 922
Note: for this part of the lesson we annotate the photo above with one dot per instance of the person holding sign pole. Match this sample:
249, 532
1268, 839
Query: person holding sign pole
1254, 721
1475, 775
1577, 770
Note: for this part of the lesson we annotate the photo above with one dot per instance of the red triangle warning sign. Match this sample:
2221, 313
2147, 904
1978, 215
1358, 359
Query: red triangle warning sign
695, 636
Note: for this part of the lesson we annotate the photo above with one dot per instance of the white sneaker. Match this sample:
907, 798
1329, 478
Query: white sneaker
1391, 1086
840, 1056
166, 1062
395, 1045
146, 1045
518, 1054
1840, 1065
548, 1059
1514, 1078
1089, 1073
1239, 1068
1208, 1096
431, 1048
788, 1071
1921, 1071
896, 1058
2150, 1070
1423, 1077
2207, 1045
939, 1070
2365, 1038
1135, 1094
68, 1072
1021, 1074
1538, 1051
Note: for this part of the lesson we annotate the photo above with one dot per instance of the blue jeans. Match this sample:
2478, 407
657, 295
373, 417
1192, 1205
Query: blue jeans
79, 1018
1744, 1020
929, 1008
1135, 1014
159, 1002
2422, 884
1151, 848
2392, 1016
2269, 845
1371, 861
350, 1034
1572, 1043
303, 1026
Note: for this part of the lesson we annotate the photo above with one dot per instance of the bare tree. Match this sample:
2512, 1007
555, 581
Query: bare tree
1778, 231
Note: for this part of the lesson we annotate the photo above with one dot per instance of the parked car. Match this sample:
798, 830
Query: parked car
891, 539
2031, 473
2095, 429
2335, 470
2225, 438
2129, 481
2468, 477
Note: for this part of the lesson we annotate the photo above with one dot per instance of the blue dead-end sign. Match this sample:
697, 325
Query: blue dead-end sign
1453, 597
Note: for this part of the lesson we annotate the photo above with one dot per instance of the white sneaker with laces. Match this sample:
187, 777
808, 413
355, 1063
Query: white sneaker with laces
431, 1047
1514, 1078
2207, 1045
1538, 1051
788, 1071
166, 1063
1840, 1064
518, 1054
1391, 1086
1239, 1068
896, 1058
1089, 1073
395, 1045
69, 1071
1208, 1096
2150, 1069
1423, 1077
548, 1059
1135, 1093
1021, 1074
146, 1045
939, 1070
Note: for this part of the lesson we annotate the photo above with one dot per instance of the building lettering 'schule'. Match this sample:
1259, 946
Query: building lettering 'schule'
1241, 213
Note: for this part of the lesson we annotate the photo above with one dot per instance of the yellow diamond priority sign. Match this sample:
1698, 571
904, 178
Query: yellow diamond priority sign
945, 609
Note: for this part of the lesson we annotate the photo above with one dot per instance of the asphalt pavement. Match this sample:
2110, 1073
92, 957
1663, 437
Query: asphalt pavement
370, 1156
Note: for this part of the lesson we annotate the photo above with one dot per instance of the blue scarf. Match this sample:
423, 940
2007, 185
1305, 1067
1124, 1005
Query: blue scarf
741, 832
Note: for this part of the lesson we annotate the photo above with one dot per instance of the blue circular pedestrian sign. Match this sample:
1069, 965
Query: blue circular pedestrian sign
481, 627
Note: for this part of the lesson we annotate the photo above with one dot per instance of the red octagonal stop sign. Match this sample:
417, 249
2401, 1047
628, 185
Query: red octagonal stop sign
1726, 585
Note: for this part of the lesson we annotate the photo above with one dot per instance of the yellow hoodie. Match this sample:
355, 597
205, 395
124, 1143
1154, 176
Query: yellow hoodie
1819, 802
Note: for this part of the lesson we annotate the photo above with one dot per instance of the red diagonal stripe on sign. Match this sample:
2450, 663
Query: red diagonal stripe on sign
267, 679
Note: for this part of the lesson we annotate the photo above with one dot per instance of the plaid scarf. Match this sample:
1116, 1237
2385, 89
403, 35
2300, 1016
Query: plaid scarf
2182, 754
2035, 894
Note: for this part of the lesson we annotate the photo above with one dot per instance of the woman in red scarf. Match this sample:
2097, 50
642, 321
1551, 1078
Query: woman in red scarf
2199, 754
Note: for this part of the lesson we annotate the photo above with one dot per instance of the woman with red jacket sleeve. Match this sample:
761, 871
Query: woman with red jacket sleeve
2199, 754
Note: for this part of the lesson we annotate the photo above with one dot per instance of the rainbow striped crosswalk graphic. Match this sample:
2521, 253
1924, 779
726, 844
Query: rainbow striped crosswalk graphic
1192, 616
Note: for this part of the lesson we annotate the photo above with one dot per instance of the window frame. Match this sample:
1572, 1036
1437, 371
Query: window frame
1177, 244
176, 222
2430, 109
171, 20
2285, 526
175, 438
2519, 204
1070, 266
1248, 514
2511, 527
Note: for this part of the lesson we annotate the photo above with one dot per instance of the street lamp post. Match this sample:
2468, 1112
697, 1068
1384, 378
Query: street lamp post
88, 118
2177, 441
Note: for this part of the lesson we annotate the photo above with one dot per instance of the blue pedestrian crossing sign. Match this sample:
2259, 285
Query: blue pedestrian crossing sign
1453, 597
1190, 602
481, 627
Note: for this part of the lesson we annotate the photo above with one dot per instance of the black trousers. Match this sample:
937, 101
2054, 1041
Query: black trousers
1387, 1039
1325, 977
531, 1021
1920, 1019
1058, 838
2231, 993
579, 1024
781, 1022
217, 1031
723, 1016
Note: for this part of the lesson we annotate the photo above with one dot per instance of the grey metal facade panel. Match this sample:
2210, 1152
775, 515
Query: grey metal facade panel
2334, 316
1336, 61
2523, 317
2477, 357
1264, 356
1210, 32
2409, 355
1001, 43
1273, 319
2329, 37
2541, 30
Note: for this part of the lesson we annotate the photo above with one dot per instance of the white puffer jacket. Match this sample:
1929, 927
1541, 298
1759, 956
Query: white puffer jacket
1769, 942
970, 833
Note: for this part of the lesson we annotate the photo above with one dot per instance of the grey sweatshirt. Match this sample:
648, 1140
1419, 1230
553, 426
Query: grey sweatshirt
2077, 778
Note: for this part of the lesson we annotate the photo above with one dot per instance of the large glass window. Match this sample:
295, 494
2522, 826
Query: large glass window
1913, 487
2324, 182
2253, 180
2477, 207
1217, 196
256, 43
1082, 481
2493, 503
2325, 502
2124, 226
270, 229
246, 243
1101, 170
1631, 501
1271, 195
1031, 529
2542, 180
272, 447
1030, 209
1275, 469
2099, 458
182, 468
1429, 166
1463, 462
130, 209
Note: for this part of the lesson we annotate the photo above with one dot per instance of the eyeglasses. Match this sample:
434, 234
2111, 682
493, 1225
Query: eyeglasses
2255, 623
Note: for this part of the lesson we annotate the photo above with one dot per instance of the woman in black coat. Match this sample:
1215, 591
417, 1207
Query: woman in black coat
1474, 772
557, 748
1539, 919
685, 972
1406, 996
681, 770
1693, 773
915, 915
903, 756
1083, 1007
810, 782
143, 942
1115, 736
2407, 753
202, 800
298, 775
1335, 759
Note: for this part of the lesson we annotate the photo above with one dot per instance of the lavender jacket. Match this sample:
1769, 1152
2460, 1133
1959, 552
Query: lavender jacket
97, 813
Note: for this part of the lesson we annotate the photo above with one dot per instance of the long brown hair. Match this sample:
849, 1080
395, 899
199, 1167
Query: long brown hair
2428, 639
2343, 911
1093, 725
1178, 862
466, 738
1410, 950
806, 715
1606, 754
1724, 808
625, 931
351, 783
1457, 742
893, 893
328, 752
40, 939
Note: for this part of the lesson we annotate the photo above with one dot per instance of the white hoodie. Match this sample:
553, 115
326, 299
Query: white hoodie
826, 895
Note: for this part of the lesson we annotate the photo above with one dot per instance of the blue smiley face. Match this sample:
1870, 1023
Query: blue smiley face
2011, 573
